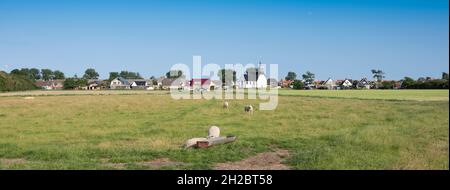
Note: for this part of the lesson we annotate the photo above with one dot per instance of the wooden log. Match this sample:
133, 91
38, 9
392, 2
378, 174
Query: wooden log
215, 141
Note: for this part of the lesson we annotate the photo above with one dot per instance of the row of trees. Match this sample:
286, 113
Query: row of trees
48, 74
36, 74
378, 76
308, 79
426, 82
125, 74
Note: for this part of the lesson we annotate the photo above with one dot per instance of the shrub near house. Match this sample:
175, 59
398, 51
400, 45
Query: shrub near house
74, 83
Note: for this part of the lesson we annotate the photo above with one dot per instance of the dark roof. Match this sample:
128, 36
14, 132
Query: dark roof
140, 82
123, 80
363, 81
168, 82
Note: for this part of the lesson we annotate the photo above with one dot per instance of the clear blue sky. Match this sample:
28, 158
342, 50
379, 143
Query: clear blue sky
339, 39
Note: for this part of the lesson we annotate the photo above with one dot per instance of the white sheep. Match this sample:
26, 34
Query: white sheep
225, 105
248, 108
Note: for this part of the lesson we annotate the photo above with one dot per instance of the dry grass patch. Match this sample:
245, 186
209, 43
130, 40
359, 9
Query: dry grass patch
8, 162
262, 161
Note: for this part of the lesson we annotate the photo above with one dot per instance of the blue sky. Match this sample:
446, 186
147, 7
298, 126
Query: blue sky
339, 39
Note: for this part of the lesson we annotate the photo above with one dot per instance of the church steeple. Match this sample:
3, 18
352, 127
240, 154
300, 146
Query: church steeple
260, 68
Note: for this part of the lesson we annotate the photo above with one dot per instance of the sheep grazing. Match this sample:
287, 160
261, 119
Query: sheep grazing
249, 108
225, 105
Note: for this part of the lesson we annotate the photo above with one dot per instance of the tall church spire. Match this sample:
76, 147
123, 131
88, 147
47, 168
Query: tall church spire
260, 68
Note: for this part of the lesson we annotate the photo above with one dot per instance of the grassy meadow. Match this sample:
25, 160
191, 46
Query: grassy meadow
360, 129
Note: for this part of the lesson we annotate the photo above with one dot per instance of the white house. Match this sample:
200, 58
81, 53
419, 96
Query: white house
119, 83
253, 80
363, 83
346, 84
329, 84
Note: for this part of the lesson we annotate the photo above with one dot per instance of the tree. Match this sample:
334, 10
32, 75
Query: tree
15, 82
408, 82
153, 80
113, 75
387, 85
378, 75
444, 76
73, 83
129, 75
16, 72
227, 76
47, 74
423, 83
32, 74
35, 74
90, 74
308, 77
421, 79
173, 74
355, 84
291, 76
298, 84
58, 74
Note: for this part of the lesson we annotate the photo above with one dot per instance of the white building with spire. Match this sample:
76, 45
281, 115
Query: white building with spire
253, 79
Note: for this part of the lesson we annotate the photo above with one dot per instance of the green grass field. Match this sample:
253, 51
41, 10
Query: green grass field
319, 129
417, 95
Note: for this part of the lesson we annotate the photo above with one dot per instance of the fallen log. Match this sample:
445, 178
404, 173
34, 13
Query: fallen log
215, 141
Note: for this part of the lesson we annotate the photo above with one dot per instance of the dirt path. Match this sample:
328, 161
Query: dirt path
262, 161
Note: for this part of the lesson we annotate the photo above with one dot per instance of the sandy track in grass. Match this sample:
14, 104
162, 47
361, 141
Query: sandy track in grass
262, 161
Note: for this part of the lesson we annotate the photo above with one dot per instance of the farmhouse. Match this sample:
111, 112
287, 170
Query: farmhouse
286, 83
196, 84
204, 84
363, 83
329, 84
345, 84
50, 85
119, 83
171, 83
96, 84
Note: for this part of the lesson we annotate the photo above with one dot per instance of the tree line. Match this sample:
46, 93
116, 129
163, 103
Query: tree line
23, 79
36, 74
426, 82
378, 76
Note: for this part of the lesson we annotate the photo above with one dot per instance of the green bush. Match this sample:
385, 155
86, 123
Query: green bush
15, 82
387, 85
298, 85
73, 83
409, 83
